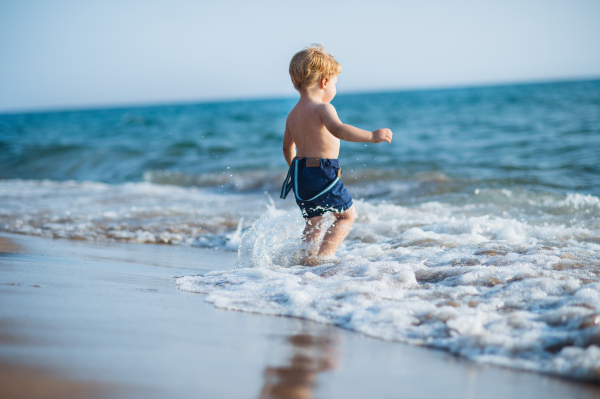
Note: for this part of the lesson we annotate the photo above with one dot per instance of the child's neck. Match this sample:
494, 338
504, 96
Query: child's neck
314, 95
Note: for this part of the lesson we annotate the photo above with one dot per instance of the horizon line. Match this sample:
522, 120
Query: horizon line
267, 97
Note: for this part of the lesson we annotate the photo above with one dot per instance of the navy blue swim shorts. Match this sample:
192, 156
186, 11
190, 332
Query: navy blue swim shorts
314, 179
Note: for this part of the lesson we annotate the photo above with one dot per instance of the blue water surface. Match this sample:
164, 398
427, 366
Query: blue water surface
543, 136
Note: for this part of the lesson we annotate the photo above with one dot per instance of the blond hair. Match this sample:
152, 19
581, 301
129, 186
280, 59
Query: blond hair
311, 65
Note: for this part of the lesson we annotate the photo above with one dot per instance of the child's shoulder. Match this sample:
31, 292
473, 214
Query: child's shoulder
312, 107
311, 111
326, 111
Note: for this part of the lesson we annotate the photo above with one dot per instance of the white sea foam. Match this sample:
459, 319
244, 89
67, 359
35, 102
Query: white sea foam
154, 213
519, 292
135, 212
501, 276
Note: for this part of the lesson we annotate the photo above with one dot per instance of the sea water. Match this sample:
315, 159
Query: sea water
478, 228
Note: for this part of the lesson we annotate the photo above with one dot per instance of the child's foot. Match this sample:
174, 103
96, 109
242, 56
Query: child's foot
317, 260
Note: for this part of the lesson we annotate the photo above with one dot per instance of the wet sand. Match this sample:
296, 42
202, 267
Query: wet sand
81, 319
27, 382
19, 382
8, 246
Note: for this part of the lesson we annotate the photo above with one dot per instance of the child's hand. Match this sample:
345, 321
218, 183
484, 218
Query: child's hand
380, 135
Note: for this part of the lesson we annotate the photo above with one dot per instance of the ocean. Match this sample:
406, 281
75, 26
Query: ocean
478, 228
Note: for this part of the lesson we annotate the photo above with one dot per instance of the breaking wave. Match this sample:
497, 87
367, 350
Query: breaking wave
485, 280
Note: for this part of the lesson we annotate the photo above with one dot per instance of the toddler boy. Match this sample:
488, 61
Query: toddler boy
311, 145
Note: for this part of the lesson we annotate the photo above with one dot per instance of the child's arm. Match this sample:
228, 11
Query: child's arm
289, 148
350, 133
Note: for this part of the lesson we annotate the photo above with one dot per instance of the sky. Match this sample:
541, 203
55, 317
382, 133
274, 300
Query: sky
82, 54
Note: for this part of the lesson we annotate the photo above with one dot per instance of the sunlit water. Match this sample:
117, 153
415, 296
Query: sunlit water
478, 228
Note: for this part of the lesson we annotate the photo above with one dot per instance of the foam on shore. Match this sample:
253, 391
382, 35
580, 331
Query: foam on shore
500, 276
479, 282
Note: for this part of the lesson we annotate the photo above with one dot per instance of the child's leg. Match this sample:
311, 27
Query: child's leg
312, 233
337, 232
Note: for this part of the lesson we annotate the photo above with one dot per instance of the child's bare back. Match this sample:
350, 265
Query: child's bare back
314, 128
311, 145
308, 132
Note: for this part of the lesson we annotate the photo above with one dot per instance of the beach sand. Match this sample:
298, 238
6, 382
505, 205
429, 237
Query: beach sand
8, 246
26, 382
18, 381
84, 319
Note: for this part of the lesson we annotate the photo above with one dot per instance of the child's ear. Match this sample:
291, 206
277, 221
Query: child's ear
324, 83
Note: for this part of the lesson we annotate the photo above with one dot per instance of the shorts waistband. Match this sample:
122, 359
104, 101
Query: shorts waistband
317, 162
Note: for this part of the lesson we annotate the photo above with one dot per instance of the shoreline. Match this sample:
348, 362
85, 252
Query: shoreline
18, 381
7, 246
108, 318
21, 381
